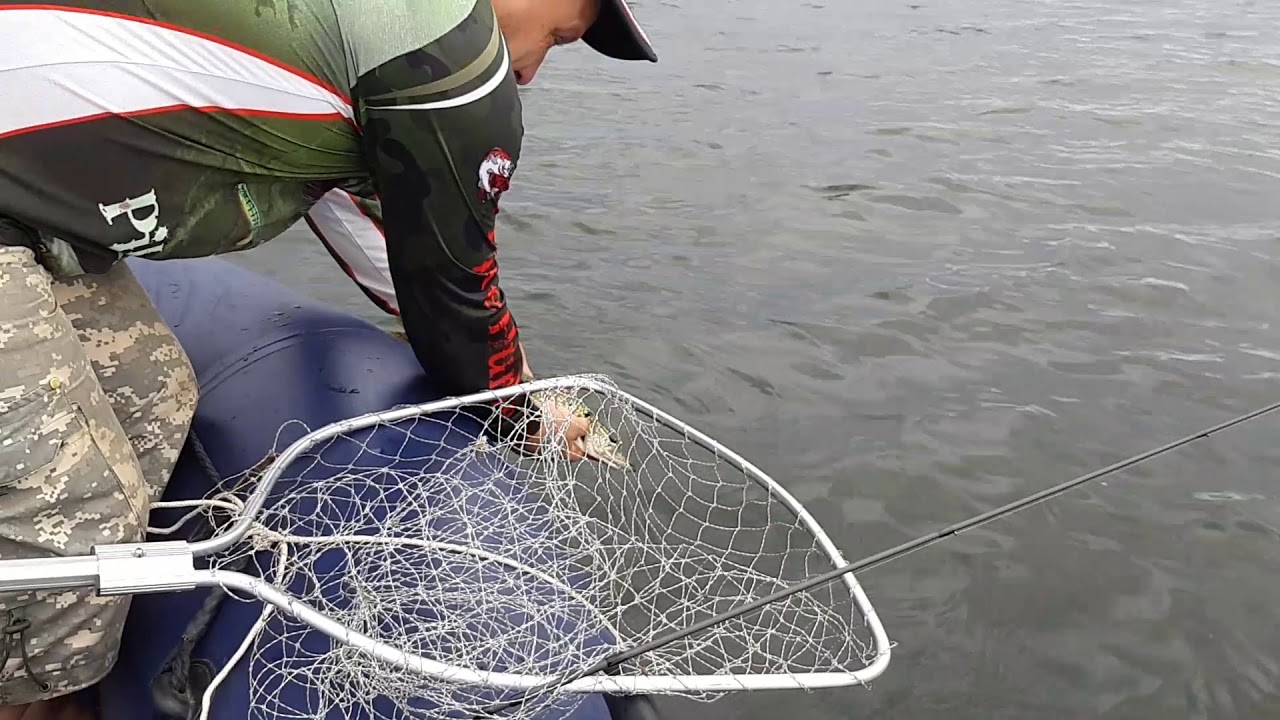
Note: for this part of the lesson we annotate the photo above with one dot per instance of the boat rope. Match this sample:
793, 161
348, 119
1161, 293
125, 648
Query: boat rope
202, 458
181, 681
614, 661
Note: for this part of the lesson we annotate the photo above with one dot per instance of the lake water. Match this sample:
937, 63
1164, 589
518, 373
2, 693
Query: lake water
917, 259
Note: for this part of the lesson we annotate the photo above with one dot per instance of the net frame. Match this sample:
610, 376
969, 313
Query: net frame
168, 566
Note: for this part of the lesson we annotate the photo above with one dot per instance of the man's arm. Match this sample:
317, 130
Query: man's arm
350, 227
442, 132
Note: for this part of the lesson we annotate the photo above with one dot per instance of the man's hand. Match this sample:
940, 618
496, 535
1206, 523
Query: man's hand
560, 424
557, 421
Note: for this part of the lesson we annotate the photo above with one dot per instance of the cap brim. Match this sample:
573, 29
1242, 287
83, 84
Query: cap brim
616, 34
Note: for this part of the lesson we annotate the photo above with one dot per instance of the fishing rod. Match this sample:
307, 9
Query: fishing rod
612, 662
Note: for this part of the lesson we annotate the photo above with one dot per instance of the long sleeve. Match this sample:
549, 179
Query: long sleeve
442, 130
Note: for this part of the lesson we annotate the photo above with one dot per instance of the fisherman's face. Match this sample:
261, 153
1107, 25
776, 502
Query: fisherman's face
533, 27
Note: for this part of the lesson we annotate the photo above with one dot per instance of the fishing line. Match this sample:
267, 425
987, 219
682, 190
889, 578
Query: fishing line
614, 661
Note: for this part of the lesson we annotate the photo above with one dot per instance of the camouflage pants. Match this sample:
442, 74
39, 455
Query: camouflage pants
96, 397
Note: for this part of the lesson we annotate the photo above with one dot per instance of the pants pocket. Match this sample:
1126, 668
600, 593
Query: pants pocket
29, 436
59, 493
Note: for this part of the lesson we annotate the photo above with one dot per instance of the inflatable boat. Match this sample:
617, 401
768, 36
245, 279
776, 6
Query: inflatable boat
264, 356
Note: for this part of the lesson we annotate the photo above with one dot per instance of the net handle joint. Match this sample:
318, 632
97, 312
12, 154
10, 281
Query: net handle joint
119, 569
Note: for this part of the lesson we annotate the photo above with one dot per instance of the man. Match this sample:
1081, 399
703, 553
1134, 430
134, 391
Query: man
174, 128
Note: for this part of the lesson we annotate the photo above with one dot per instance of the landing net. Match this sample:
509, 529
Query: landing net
444, 570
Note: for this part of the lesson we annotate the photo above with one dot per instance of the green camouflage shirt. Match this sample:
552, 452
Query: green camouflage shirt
186, 128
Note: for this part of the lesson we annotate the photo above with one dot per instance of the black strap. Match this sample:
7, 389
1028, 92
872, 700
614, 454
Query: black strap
15, 630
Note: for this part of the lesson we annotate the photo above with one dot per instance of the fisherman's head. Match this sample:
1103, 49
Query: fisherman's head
533, 27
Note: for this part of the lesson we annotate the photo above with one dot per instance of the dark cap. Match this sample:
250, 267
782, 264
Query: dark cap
617, 34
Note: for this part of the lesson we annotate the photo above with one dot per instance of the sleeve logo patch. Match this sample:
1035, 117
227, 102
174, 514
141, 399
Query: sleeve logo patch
495, 175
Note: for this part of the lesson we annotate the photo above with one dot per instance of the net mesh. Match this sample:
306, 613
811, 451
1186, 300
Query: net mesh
493, 556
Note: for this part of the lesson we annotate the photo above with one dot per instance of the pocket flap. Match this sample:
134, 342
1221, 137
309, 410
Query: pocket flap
32, 429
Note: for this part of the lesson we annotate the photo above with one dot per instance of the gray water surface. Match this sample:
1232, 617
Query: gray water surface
917, 259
